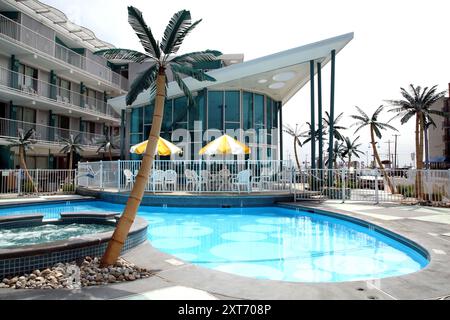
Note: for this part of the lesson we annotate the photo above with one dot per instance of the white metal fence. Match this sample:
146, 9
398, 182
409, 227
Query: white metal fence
373, 185
191, 176
37, 181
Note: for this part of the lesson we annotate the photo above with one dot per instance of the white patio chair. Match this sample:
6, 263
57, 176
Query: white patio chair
243, 179
224, 176
170, 178
129, 177
285, 177
205, 179
191, 179
66, 100
157, 178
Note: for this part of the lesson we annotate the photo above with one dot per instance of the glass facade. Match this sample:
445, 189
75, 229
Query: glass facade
219, 110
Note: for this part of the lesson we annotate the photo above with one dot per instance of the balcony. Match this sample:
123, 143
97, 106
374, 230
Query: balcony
33, 41
50, 94
46, 134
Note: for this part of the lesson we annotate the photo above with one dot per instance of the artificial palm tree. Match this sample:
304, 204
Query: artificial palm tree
336, 128
417, 102
375, 127
162, 56
337, 154
349, 149
71, 146
24, 142
296, 134
107, 144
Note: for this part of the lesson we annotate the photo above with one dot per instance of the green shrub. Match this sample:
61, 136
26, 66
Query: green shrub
28, 186
68, 187
408, 191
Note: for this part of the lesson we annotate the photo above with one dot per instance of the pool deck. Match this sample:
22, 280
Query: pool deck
174, 279
42, 199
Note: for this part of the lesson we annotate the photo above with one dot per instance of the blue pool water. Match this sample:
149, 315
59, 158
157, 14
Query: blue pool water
266, 243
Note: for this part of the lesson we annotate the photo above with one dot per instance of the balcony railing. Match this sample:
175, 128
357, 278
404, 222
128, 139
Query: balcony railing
47, 91
30, 38
46, 134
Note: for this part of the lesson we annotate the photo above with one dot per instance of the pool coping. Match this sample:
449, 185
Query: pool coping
429, 283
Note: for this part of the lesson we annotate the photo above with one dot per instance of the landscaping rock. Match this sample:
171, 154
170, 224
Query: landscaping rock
89, 274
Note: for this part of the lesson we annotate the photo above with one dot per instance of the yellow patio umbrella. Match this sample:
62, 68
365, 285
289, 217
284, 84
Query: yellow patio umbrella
164, 148
224, 145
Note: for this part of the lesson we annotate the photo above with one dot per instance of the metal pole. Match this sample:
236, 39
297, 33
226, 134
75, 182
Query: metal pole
330, 140
319, 111
395, 151
313, 116
280, 110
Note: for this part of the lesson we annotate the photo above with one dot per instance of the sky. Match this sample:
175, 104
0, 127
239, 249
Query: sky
396, 43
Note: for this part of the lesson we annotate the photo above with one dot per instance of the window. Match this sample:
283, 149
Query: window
259, 111
247, 110
63, 89
198, 113
215, 110
168, 117
136, 120
27, 78
180, 113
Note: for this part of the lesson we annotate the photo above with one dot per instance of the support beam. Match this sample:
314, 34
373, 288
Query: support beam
319, 112
280, 110
330, 146
313, 116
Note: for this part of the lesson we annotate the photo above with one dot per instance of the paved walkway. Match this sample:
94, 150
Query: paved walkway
174, 279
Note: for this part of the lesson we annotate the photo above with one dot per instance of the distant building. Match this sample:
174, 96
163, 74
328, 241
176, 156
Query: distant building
439, 137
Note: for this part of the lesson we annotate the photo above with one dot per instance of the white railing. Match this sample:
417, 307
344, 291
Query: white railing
373, 185
191, 176
16, 182
46, 134
30, 38
37, 88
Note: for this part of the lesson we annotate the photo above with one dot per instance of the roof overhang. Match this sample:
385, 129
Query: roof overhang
58, 21
280, 75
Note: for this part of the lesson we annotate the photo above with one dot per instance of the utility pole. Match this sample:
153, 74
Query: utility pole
395, 151
389, 151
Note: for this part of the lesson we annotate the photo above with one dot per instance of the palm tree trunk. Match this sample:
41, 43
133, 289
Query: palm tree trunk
419, 157
70, 159
23, 165
110, 155
134, 200
427, 156
377, 157
295, 152
349, 164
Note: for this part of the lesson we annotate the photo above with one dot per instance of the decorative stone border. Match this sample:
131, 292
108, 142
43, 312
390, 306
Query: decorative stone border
24, 259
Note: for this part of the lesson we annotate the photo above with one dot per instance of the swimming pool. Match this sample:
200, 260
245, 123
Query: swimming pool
266, 242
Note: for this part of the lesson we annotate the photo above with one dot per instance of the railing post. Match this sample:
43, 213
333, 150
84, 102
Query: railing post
343, 184
101, 174
37, 181
119, 174
19, 181
376, 187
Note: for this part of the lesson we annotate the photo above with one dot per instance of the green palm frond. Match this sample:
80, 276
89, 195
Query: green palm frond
144, 33
142, 82
191, 72
185, 89
364, 115
178, 25
195, 57
122, 54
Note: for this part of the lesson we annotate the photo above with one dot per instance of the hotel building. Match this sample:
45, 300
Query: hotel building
51, 81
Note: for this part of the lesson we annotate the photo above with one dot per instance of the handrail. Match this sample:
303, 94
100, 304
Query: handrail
32, 86
9, 128
33, 39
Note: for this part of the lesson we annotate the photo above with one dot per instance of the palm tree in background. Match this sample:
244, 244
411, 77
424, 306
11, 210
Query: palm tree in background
154, 77
337, 154
417, 102
108, 143
296, 134
71, 146
350, 149
24, 142
336, 128
375, 127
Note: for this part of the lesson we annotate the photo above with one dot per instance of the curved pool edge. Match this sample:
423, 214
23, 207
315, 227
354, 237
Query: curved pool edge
366, 224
